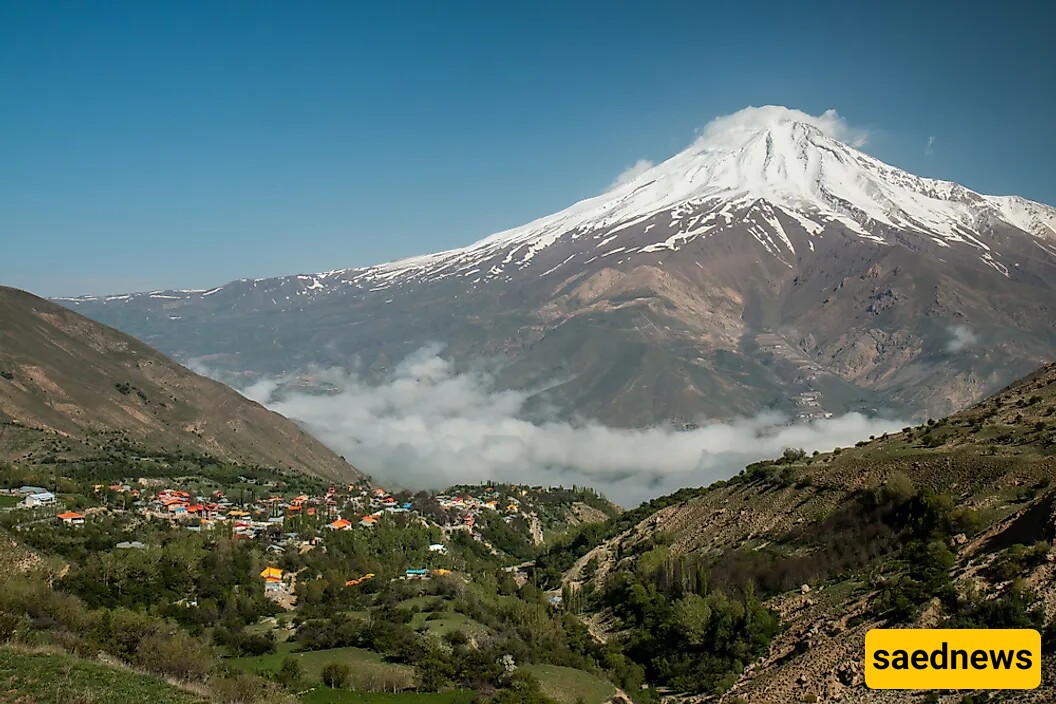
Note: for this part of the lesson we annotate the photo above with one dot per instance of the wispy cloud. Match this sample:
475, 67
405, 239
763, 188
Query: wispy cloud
929, 148
729, 131
961, 338
631, 172
427, 426
731, 128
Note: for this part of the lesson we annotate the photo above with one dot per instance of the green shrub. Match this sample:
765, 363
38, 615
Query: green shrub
175, 655
244, 688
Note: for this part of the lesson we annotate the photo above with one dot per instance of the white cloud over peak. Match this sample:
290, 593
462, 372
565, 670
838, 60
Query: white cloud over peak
631, 172
732, 129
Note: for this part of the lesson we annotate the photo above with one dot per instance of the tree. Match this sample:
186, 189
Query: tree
336, 674
290, 672
520, 688
435, 671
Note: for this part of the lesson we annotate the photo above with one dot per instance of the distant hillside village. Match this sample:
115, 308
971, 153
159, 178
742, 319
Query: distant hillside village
279, 523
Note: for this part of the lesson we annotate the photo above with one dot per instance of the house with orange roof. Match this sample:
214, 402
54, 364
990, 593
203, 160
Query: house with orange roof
368, 521
340, 524
365, 578
71, 518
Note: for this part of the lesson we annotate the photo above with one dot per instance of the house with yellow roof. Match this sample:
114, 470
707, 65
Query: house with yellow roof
272, 578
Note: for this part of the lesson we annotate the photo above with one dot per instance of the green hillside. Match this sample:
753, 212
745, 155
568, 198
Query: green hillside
42, 677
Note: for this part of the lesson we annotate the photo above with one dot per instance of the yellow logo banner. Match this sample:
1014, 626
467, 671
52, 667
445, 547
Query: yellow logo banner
952, 659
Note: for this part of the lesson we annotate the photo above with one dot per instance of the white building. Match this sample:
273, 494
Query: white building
44, 498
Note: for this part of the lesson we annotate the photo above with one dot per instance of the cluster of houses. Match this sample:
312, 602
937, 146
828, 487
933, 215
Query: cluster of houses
278, 519
372, 504
275, 517
246, 519
468, 506
810, 404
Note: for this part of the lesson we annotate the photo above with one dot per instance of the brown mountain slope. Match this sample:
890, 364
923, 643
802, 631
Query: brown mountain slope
63, 373
805, 521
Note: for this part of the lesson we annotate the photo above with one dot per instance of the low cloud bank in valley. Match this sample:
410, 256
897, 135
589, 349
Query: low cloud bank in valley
427, 426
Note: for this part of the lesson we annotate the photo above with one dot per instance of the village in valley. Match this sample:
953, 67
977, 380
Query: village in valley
280, 523
288, 573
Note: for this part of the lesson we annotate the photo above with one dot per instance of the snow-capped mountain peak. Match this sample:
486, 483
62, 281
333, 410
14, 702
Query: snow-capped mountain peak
754, 173
806, 167
798, 162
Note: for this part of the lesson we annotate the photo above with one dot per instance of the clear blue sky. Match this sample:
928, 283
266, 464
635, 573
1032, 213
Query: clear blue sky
148, 145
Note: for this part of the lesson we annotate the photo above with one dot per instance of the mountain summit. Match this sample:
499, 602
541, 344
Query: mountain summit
771, 158
771, 264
